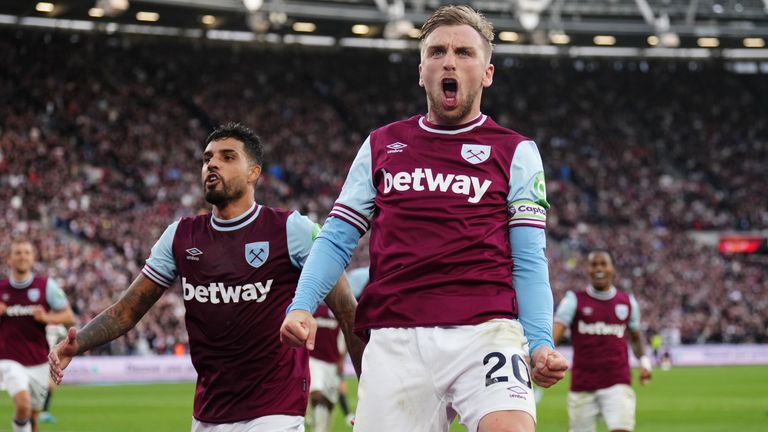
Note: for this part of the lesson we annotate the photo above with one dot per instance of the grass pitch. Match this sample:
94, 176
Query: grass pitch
719, 399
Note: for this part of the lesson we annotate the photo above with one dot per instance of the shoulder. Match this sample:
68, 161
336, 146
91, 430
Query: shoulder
503, 135
192, 220
571, 296
279, 214
576, 295
396, 127
624, 296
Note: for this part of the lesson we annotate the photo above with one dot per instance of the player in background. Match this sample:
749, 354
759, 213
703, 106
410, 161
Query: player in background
601, 319
452, 200
14, 380
238, 268
325, 368
29, 302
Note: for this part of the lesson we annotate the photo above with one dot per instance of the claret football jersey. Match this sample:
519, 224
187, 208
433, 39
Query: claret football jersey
237, 278
439, 202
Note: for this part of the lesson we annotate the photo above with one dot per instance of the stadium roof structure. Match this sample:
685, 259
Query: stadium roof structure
684, 28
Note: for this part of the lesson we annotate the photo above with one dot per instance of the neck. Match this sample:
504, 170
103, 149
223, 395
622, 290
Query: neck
601, 294
20, 276
233, 209
442, 121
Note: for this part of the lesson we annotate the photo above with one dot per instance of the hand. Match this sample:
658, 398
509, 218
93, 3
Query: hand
61, 355
3, 307
645, 376
40, 315
549, 366
299, 329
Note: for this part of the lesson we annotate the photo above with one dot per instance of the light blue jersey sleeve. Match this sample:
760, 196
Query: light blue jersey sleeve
358, 279
54, 295
566, 310
531, 281
634, 318
355, 204
301, 233
527, 198
527, 203
160, 266
327, 260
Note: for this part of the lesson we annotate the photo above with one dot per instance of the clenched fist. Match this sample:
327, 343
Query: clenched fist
299, 329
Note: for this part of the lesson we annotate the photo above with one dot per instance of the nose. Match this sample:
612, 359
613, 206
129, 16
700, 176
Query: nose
449, 62
213, 165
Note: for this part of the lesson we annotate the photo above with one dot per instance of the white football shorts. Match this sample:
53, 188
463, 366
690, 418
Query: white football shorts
418, 379
273, 423
616, 404
13, 377
39, 384
324, 379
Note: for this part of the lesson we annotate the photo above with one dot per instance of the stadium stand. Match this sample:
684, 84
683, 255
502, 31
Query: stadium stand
101, 142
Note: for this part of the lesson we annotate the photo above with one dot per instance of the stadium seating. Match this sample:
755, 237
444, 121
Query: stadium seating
101, 140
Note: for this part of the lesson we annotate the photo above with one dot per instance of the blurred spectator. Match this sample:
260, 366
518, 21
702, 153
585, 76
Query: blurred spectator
100, 137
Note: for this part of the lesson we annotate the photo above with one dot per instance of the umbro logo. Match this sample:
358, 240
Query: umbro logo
517, 392
194, 254
396, 147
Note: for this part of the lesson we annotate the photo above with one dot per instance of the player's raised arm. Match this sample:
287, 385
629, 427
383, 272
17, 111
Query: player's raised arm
110, 324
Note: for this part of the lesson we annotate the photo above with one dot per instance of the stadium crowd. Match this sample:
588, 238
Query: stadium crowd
101, 142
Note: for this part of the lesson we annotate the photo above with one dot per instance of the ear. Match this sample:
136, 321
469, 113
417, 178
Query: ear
488, 75
254, 173
421, 80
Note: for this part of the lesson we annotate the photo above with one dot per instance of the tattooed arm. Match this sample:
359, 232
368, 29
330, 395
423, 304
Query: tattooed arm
112, 323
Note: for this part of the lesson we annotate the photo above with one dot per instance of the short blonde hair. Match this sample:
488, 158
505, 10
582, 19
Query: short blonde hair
458, 15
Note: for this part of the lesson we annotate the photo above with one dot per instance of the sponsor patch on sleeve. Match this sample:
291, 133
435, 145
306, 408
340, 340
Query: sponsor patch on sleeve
316, 228
527, 213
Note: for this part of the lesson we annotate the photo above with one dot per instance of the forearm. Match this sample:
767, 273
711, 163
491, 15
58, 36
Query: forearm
636, 341
531, 282
122, 316
557, 332
343, 304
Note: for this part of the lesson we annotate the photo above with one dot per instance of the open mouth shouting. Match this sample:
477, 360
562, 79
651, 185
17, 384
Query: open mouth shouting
450, 92
211, 180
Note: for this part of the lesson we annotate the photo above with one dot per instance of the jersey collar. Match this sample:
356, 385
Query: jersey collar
236, 222
601, 295
451, 130
21, 284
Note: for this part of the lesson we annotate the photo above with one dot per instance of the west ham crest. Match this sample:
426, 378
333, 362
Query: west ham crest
33, 294
475, 153
622, 311
256, 253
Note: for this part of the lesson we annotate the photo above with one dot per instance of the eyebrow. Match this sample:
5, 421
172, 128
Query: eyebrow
224, 151
443, 46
